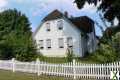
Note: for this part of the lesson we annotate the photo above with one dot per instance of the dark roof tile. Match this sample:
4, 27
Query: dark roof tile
53, 15
84, 23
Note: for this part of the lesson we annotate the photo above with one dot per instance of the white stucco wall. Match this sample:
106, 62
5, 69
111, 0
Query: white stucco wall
69, 30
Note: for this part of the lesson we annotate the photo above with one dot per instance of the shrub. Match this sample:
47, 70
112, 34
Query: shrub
116, 42
70, 55
104, 54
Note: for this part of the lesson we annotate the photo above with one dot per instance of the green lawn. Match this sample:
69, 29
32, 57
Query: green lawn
8, 75
63, 60
54, 59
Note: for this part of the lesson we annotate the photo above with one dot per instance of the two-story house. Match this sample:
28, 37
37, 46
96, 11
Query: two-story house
59, 32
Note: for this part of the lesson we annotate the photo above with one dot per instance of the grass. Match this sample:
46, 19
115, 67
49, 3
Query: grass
54, 59
8, 75
59, 60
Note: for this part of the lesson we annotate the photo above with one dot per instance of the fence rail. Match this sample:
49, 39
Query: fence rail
73, 69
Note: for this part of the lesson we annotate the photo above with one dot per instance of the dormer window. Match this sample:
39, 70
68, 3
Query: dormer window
60, 25
48, 26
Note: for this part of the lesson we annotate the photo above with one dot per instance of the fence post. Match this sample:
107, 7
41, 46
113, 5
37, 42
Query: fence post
38, 66
74, 71
13, 64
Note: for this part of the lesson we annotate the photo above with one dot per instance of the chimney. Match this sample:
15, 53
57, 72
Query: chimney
66, 14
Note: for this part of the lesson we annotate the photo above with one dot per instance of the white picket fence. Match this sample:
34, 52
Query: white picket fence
73, 69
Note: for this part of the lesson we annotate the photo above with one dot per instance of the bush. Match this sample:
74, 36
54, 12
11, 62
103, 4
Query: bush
104, 54
116, 42
70, 55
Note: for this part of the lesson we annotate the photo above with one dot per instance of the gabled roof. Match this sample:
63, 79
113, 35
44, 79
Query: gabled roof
53, 15
83, 23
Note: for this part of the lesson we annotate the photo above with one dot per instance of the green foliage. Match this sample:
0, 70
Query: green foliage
16, 36
110, 8
116, 42
104, 54
70, 55
108, 51
109, 32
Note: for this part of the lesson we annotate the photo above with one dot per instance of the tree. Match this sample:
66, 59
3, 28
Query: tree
104, 54
116, 42
108, 34
16, 36
110, 8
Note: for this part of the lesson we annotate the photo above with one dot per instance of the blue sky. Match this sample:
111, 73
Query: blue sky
36, 10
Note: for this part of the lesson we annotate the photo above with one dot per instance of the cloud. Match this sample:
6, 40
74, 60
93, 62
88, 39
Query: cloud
116, 21
20, 1
3, 3
39, 9
62, 5
89, 8
47, 6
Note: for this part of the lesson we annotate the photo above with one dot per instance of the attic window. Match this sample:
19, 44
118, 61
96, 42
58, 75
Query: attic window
48, 26
60, 25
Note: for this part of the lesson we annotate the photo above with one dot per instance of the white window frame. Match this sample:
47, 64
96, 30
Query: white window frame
60, 24
48, 43
48, 26
41, 44
70, 42
61, 42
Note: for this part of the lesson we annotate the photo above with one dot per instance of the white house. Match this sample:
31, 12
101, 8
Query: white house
57, 33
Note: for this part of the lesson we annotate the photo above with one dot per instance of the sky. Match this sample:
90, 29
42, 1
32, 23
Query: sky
36, 10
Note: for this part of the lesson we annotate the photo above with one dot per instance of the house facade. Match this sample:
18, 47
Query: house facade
57, 33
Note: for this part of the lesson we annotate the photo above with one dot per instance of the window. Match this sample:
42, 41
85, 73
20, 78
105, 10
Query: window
70, 42
61, 43
48, 26
60, 24
48, 43
41, 44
